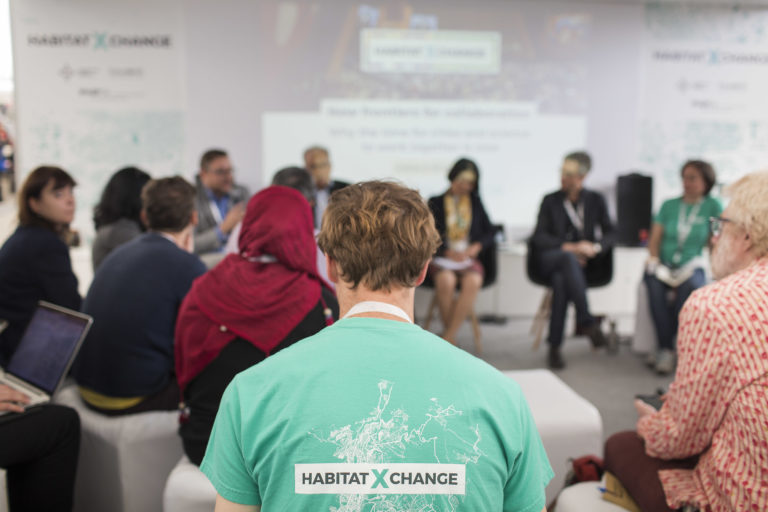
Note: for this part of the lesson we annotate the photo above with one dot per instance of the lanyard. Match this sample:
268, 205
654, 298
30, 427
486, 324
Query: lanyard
684, 225
372, 306
577, 219
216, 212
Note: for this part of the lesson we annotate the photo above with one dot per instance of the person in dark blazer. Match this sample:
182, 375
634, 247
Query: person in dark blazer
219, 202
34, 261
573, 233
465, 230
126, 362
318, 163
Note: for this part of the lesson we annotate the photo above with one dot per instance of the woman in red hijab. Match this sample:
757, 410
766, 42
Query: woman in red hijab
248, 307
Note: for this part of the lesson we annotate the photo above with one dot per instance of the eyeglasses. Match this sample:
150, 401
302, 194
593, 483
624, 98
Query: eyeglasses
716, 225
224, 171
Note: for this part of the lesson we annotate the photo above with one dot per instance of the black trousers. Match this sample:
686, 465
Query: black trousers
39, 450
569, 284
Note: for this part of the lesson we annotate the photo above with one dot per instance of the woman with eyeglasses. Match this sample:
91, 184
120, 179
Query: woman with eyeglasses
679, 234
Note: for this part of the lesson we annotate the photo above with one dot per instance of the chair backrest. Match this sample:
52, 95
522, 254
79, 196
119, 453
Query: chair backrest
599, 271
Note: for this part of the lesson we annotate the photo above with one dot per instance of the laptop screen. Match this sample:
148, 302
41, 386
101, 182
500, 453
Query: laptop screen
48, 346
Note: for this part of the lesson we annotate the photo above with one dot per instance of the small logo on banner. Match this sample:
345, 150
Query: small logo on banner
397, 478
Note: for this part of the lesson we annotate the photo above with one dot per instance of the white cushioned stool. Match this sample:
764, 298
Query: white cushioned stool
188, 489
3, 493
585, 497
124, 460
569, 425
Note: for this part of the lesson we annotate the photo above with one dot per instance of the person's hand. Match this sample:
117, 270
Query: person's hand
474, 250
235, 215
586, 249
10, 399
643, 409
651, 264
455, 255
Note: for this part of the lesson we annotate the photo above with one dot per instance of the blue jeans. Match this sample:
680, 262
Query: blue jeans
665, 314
569, 284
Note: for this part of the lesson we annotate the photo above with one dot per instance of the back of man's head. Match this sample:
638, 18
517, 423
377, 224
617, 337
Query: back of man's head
380, 234
749, 207
168, 204
297, 178
583, 159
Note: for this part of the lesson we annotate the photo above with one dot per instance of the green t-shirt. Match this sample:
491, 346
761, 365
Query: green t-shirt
669, 218
373, 414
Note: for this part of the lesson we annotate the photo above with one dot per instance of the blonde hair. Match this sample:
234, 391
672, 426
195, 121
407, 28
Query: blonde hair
749, 206
379, 233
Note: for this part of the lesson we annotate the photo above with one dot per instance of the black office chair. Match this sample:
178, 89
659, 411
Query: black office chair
598, 272
489, 260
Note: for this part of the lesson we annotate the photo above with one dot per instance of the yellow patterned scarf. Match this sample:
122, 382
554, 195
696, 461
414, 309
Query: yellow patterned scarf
458, 218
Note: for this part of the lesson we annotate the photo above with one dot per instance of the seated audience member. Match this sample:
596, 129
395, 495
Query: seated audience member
572, 232
220, 203
680, 231
126, 362
116, 217
250, 306
39, 453
465, 231
293, 177
373, 390
34, 261
706, 447
317, 162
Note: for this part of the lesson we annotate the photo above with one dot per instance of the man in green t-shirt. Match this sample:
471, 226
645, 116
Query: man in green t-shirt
374, 413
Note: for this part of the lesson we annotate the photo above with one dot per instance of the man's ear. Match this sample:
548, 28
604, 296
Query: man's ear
193, 218
143, 218
331, 269
422, 274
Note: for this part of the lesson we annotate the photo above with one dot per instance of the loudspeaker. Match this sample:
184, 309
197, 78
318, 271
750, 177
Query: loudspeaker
634, 199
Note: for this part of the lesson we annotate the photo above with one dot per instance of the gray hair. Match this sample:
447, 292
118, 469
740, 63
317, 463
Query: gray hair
297, 178
583, 159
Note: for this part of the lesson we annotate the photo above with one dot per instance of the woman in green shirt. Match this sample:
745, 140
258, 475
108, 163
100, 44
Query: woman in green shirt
679, 233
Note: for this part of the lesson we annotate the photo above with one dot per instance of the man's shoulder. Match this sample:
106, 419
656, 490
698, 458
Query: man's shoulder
337, 185
553, 197
240, 193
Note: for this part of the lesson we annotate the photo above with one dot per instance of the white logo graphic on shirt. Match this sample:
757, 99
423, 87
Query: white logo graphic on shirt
369, 475
397, 478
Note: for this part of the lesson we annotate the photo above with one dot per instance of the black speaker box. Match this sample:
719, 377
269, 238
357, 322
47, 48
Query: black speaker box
634, 200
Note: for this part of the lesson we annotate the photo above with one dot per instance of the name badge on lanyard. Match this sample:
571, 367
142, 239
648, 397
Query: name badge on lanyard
577, 217
684, 226
216, 213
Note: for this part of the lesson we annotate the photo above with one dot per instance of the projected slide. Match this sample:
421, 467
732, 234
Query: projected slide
403, 90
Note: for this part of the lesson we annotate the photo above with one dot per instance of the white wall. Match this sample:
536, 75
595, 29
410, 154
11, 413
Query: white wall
584, 67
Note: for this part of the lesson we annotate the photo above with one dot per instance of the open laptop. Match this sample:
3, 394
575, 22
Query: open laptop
46, 351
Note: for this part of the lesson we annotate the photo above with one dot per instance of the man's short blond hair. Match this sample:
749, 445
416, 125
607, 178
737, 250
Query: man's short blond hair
379, 233
749, 207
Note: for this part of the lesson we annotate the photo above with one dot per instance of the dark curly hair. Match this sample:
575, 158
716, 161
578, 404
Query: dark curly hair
121, 198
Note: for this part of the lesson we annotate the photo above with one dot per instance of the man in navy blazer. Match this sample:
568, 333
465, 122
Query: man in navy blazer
126, 363
573, 233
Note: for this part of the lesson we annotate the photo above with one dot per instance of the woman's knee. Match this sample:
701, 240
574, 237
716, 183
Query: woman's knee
445, 280
472, 281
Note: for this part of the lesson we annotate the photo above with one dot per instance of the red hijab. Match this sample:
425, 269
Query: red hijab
259, 295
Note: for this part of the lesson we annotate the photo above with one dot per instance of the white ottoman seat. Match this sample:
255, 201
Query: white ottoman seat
585, 497
188, 489
124, 460
569, 425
